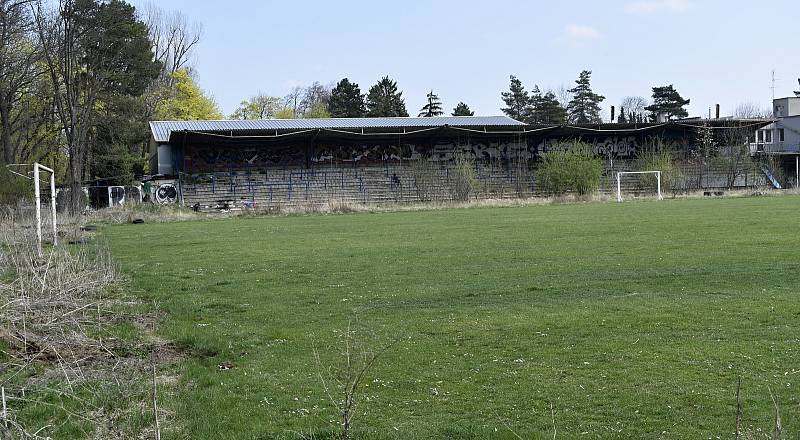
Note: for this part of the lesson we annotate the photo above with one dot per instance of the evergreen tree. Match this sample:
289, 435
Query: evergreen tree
547, 110
346, 100
585, 105
622, 119
385, 100
462, 109
517, 101
668, 102
432, 108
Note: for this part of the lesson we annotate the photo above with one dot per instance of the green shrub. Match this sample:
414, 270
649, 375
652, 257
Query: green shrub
463, 178
570, 169
14, 188
659, 158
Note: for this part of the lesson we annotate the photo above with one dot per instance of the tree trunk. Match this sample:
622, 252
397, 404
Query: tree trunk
5, 126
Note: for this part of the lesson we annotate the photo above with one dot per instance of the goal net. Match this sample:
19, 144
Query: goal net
638, 184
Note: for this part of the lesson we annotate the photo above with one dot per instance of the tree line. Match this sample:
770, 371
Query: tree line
342, 100
581, 105
80, 79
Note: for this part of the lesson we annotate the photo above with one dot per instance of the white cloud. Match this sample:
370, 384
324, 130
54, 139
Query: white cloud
655, 6
576, 34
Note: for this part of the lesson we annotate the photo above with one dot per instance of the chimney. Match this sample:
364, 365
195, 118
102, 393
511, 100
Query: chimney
717, 111
613, 114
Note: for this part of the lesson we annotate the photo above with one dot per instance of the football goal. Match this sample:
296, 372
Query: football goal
37, 195
638, 183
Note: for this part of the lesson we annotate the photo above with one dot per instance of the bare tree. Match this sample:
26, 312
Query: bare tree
293, 100
343, 384
635, 106
74, 92
174, 38
734, 156
751, 110
563, 95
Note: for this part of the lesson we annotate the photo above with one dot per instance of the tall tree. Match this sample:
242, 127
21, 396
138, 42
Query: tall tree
584, 108
547, 110
462, 109
314, 103
174, 38
667, 102
260, 106
433, 107
622, 119
517, 100
636, 106
385, 100
91, 50
187, 101
19, 69
346, 100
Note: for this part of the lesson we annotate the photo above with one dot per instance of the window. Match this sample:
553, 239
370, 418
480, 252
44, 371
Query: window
761, 135
781, 137
769, 136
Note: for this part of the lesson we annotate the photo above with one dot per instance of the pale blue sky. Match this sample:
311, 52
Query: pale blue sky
714, 51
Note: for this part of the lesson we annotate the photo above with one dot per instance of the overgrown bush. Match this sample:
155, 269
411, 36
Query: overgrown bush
463, 178
426, 178
570, 169
659, 158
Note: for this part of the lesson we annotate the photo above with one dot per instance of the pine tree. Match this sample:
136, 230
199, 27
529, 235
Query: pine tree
547, 110
384, 100
585, 105
517, 100
462, 109
432, 108
622, 119
668, 102
346, 100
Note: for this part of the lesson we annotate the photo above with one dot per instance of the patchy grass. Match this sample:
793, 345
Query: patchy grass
604, 320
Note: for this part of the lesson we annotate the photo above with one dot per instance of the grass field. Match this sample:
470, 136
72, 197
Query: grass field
604, 320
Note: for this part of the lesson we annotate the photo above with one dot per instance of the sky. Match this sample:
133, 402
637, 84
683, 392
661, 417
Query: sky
713, 51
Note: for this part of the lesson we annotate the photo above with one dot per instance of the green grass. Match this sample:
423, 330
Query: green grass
632, 320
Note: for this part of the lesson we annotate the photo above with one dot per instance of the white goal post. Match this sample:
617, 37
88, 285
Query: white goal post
37, 195
619, 182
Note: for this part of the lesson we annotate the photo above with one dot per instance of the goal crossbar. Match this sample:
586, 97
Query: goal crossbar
622, 173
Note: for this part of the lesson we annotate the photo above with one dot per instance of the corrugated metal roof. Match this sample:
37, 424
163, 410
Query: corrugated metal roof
163, 129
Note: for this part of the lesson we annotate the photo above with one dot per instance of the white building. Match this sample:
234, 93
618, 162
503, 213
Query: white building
782, 136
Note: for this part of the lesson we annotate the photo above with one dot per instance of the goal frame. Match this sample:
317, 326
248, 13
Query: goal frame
619, 182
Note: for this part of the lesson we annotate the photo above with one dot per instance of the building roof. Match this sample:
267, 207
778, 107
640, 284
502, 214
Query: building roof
163, 129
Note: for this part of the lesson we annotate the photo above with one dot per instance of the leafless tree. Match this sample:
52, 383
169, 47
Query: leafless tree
563, 95
343, 384
293, 100
75, 88
751, 110
635, 105
174, 38
314, 96
734, 156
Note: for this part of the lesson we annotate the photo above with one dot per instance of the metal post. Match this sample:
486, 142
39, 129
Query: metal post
38, 201
797, 171
5, 411
658, 176
619, 189
53, 207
